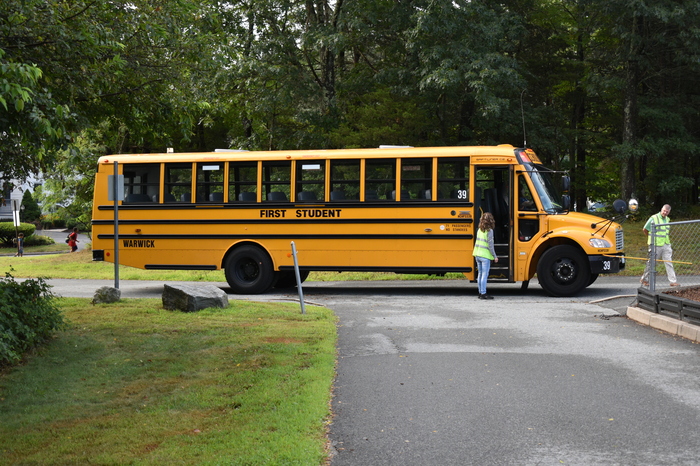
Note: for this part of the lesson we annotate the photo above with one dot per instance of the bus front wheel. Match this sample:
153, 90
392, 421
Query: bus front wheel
563, 271
594, 277
249, 270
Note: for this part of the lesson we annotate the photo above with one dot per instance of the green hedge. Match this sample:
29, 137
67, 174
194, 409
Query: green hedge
39, 240
28, 317
8, 232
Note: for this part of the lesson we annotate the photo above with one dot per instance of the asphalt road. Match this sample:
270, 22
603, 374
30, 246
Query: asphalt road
430, 375
60, 237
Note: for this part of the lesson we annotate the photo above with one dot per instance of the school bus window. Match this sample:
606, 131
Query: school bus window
345, 180
453, 178
210, 182
141, 182
243, 181
416, 179
525, 200
178, 182
276, 180
311, 181
380, 179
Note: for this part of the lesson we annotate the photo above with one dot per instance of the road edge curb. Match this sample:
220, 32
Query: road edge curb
665, 323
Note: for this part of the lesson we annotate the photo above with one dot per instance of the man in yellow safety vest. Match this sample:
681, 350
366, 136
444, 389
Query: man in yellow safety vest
662, 244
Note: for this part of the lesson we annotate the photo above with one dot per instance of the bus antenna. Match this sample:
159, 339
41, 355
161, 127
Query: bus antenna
522, 112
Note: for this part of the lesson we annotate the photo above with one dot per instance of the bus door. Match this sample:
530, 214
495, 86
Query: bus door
493, 194
527, 224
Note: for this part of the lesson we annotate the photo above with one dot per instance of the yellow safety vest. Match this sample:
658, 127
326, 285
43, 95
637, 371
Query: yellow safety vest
481, 247
661, 233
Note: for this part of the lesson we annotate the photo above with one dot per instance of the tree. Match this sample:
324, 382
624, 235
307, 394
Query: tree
70, 66
657, 45
607, 89
31, 211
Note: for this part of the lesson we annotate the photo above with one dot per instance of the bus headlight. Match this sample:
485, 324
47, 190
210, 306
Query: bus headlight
599, 243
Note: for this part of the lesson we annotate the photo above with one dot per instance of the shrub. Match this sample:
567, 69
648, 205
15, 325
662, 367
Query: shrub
8, 232
53, 220
28, 317
38, 240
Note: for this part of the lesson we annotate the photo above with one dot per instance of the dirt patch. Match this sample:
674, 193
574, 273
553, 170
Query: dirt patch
687, 293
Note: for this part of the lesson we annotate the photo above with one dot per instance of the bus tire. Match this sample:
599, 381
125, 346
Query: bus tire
594, 277
288, 279
249, 270
563, 271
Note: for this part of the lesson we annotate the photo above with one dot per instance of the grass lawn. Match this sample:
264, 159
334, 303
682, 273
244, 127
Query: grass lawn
635, 246
131, 383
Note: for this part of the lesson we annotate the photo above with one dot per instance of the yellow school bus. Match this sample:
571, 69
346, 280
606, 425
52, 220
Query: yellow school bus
394, 209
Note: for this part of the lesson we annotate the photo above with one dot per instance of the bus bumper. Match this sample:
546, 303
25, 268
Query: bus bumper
607, 264
98, 255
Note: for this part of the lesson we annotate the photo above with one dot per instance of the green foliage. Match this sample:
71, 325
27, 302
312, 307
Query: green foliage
606, 89
69, 189
8, 232
381, 118
31, 212
38, 240
28, 317
70, 66
31, 120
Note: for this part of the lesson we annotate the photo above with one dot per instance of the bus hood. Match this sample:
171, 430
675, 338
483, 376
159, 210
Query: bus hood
587, 230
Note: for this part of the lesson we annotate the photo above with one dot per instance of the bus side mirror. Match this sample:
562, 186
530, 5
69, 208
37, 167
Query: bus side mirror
566, 202
619, 206
565, 183
633, 205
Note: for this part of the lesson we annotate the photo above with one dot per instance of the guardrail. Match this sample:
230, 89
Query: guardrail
685, 262
687, 310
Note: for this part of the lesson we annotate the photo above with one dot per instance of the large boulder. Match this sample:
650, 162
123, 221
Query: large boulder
191, 298
106, 294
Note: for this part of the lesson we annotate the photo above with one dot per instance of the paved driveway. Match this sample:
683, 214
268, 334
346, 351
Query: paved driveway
434, 376
59, 235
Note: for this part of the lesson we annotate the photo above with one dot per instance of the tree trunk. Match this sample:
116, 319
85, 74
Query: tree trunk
630, 115
578, 156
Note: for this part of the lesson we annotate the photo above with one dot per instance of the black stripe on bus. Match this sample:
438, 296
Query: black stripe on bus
415, 270
285, 236
455, 203
277, 221
179, 267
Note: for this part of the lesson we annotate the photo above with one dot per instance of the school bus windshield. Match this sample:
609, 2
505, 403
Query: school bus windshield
542, 179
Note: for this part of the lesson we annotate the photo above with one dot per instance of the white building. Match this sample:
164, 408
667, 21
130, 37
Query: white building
10, 192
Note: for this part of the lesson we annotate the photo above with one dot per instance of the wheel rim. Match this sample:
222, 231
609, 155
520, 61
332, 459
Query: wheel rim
247, 270
564, 270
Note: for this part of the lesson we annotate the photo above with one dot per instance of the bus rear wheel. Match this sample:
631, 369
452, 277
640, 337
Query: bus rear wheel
563, 271
249, 270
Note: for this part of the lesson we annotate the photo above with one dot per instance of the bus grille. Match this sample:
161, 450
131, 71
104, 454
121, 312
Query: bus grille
619, 239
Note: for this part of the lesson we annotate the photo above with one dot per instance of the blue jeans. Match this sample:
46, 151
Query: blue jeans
483, 266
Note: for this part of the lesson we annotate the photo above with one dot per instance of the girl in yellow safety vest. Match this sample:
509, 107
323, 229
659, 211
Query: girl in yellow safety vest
484, 252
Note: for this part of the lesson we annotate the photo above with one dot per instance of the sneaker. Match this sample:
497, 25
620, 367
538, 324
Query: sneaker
675, 284
485, 296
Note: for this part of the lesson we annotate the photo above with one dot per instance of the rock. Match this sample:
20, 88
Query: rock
106, 294
191, 298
